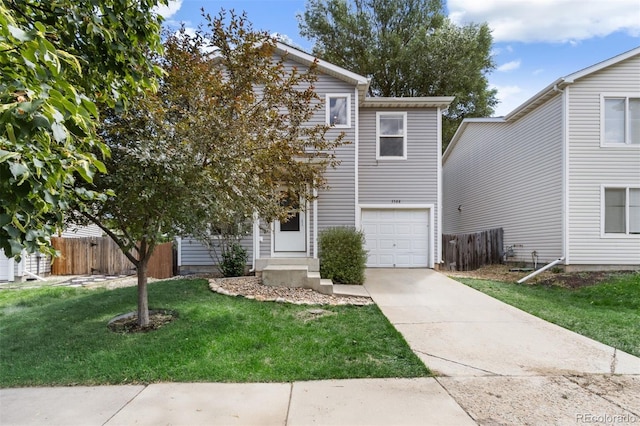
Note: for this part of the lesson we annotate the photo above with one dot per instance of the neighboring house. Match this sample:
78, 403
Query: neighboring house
560, 174
388, 183
39, 264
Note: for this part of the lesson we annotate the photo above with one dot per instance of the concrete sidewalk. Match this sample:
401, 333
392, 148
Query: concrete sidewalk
496, 365
333, 402
502, 365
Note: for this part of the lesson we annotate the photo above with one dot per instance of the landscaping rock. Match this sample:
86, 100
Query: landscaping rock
252, 288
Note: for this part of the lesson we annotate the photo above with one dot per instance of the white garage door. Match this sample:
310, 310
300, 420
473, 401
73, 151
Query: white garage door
396, 238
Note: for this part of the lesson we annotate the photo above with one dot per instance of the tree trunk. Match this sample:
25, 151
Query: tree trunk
143, 300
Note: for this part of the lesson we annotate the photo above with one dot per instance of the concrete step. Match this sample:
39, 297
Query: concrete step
312, 264
326, 287
285, 275
282, 275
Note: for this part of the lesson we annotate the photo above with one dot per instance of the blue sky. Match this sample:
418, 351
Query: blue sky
535, 41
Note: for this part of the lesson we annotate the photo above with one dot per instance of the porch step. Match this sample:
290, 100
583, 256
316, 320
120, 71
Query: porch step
280, 275
312, 264
285, 275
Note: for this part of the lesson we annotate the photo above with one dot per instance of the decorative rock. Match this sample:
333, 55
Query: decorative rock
252, 288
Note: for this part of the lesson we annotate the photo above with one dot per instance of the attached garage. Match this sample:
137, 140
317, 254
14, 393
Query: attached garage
397, 238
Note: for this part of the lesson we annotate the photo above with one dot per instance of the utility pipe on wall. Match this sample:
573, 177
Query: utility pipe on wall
544, 268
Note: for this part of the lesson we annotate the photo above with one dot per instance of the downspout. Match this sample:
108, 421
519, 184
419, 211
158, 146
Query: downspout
32, 275
256, 242
565, 167
544, 268
315, 222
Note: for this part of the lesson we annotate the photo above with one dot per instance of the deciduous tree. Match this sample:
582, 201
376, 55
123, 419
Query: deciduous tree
58, 60
408, 48
228, 128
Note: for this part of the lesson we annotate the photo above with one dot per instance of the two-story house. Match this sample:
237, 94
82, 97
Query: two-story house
388, 182
560, 174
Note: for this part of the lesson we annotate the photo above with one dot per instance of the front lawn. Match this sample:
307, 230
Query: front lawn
608, 312
59, 336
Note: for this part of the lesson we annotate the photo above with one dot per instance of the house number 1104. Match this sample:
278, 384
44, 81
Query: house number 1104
395, 201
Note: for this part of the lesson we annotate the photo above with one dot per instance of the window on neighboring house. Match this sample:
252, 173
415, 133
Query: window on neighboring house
338, 110
391, 128
622, 211
621, 120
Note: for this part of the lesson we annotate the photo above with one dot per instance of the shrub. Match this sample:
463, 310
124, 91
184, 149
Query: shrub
234, 260
342, 255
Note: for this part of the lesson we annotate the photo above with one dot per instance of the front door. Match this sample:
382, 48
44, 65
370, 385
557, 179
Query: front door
290, 236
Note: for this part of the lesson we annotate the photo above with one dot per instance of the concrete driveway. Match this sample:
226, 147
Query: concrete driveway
502, 365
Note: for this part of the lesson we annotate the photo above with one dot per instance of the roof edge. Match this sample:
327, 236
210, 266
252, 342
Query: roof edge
462, 127
554, 87
326, 67
409, 102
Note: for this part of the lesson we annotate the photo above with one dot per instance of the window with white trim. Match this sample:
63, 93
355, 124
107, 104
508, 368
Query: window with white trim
391, 135
621, 120
338, 110
622, 210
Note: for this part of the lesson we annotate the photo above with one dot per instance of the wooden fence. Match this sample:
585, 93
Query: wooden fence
466, 252
100, 255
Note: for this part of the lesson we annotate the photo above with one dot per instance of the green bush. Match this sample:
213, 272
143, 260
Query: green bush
234, 260
342, 255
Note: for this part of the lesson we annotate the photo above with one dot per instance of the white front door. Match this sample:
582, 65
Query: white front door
291, 236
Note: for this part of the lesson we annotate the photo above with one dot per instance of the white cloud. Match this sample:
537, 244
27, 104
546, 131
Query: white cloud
170, 9
509, 66
549, 20
510, 97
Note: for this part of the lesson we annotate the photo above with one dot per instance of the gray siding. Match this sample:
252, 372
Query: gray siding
336, 204
591, 166
410, 181
509, 175
194, 253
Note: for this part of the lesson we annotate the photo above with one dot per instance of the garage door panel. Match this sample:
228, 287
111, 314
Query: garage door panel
419, 245
403, 244
396, 237
386, 229
403, 229
385, 244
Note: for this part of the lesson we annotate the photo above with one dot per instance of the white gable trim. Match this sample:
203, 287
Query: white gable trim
326, 67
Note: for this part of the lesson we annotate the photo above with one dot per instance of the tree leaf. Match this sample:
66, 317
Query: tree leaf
59, 132
18, 170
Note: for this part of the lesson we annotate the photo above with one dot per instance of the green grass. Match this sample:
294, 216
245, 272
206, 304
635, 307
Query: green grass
608, 312
59, 336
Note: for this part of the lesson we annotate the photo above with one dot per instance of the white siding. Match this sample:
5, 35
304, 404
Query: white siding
592, 166
91, 230
509, 175
6, 268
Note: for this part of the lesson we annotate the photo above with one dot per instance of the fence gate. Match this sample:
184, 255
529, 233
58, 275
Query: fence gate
101, 255
466, 252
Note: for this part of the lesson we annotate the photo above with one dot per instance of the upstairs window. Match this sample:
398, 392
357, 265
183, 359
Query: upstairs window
391, 140
622, 211
621, 120
338, 110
